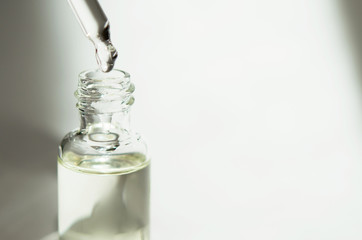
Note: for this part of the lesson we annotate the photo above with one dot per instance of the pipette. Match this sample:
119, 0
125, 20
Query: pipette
95, 26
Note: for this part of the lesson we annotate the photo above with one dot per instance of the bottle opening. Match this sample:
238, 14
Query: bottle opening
100, 92
97, 75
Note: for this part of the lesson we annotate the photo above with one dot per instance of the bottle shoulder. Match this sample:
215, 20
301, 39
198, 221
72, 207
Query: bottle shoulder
103, 153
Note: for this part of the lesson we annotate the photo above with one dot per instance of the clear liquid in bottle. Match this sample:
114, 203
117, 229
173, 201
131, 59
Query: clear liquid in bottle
94, 205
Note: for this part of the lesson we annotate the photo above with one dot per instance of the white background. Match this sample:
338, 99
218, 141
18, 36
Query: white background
251, 109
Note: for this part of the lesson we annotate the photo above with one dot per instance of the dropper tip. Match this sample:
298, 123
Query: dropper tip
106, 55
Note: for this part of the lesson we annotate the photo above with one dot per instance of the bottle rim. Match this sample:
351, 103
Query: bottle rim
100, 92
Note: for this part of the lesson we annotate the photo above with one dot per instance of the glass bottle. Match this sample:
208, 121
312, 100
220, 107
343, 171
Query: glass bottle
103, 167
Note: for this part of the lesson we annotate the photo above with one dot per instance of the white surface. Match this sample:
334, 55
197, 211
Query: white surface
251, 110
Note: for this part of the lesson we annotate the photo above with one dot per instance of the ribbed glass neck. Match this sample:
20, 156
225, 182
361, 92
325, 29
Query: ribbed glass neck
104, 101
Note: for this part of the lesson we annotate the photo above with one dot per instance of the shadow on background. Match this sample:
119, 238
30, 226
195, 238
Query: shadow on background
352, 11
27, 182
28, 196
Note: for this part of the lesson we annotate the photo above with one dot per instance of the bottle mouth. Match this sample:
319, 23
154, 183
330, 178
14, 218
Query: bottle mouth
97, 75
100, 92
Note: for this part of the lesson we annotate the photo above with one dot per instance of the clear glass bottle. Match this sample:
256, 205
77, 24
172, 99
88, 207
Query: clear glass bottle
103, 167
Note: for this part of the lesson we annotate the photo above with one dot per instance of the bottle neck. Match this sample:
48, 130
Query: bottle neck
104, 101
105, 122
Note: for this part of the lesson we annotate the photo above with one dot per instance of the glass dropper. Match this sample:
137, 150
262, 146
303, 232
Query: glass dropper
95, 26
